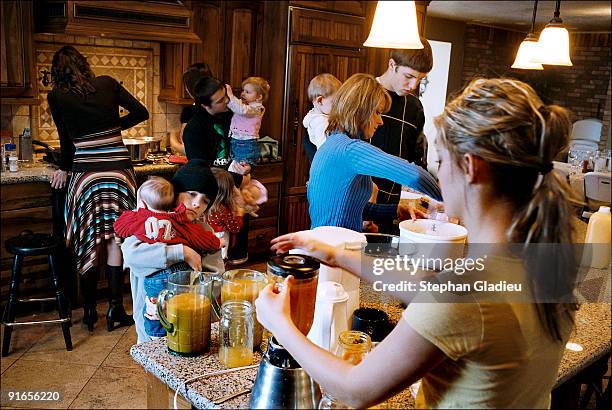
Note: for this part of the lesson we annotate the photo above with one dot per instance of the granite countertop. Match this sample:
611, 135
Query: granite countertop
174, 371
41, 172
592, 333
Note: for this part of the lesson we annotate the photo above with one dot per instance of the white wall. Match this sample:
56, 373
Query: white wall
434, 97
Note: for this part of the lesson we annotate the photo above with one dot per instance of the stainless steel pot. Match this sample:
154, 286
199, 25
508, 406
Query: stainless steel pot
140, 147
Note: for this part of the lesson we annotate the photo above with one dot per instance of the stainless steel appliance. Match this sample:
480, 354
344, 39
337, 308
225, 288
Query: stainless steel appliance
281, 383
140, 147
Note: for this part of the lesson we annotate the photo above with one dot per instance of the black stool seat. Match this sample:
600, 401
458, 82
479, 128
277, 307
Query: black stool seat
32, 244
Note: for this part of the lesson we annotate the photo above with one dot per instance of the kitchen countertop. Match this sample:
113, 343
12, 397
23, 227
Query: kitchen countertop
42, 172
592, 333
174, 371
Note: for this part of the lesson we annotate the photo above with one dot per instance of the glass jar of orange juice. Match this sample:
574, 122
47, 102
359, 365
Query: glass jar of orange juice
305, 272
352, 347
244, 285
236, 334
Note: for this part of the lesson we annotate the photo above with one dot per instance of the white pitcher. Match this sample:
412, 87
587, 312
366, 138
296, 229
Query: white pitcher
330, 317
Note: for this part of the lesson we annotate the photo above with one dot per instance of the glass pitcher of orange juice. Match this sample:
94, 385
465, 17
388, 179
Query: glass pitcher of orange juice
244, 285
184, 311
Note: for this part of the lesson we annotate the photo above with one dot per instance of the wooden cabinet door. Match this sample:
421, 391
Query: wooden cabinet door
208, 24
294, 214
305, 63
17, 71
243, 37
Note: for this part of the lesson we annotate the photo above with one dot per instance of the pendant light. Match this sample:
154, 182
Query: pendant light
528, 48
394, 26
554, 42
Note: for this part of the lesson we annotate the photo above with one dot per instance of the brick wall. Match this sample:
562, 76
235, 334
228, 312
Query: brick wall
583, 88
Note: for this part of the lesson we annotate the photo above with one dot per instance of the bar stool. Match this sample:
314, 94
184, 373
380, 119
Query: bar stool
34, 244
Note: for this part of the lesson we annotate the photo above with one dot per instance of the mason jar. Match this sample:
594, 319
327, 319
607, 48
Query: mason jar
236, 334
352, 347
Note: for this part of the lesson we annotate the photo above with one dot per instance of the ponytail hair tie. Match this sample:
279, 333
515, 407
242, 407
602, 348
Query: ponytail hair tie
546, 168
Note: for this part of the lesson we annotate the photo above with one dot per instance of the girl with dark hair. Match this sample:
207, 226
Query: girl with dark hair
496, 143
85, 109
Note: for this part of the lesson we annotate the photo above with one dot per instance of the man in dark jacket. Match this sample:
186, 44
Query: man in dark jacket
402, 131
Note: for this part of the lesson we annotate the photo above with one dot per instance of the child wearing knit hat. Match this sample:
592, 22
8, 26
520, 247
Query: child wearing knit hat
196, 188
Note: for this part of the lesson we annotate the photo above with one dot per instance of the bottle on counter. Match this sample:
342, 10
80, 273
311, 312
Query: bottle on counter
25, 145
12, 163
598, 236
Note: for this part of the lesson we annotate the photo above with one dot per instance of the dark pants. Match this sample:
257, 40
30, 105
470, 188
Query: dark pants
239, 242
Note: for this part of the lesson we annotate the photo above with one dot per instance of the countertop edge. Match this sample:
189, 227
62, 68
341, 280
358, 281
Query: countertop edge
158, 371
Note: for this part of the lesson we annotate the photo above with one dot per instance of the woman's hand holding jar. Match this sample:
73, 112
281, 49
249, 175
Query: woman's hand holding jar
274, 308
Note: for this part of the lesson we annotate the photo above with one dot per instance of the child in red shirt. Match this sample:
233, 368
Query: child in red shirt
155, 221
225, 216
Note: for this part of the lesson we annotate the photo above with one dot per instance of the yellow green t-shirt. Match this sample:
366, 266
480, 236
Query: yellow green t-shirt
499, 355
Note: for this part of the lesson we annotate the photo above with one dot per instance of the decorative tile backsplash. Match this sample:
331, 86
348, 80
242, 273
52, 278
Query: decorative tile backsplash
133, 68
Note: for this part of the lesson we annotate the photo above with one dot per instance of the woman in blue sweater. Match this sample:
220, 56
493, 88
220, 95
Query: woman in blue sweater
340, 176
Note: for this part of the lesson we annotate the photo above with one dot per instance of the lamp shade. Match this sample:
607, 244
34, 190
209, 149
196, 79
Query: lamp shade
528, 49
394, 26
554, 46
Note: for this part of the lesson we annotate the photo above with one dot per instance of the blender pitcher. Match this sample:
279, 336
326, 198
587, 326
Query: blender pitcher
305, 271
184, 311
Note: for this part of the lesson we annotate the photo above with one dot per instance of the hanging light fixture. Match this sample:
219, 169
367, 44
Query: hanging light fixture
528, 48
554, 42
394, 26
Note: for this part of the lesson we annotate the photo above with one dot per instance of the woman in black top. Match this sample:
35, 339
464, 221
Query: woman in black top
85, 109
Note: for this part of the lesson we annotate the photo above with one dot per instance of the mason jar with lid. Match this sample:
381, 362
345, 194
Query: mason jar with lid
305, 271
352, 347
236, 334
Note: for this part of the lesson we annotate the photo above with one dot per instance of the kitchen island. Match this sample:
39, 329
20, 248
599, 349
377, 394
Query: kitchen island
168, 373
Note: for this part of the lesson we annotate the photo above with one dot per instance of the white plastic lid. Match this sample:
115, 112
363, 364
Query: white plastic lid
334, 235
604, 209
333, 292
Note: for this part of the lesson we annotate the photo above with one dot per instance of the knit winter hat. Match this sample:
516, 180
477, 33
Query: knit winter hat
196, 175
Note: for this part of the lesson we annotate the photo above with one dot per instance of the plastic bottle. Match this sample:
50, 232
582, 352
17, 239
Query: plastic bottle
598, 234
10, 150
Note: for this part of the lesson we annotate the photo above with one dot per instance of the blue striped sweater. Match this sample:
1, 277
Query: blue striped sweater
340, 185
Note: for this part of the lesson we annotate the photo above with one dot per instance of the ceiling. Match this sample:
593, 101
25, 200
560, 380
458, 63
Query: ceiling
516, 15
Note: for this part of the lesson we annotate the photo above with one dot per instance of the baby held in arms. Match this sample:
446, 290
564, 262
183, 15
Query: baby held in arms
156, 219
246, 121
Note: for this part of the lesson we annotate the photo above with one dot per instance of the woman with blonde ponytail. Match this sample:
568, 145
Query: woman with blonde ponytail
496, 142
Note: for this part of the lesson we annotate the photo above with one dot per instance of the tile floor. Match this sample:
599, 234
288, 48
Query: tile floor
98, 373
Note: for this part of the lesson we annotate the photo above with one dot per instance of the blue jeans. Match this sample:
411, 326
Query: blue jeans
153, 284
245, 150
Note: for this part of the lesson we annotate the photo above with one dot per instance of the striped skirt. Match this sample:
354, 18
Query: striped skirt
94, 201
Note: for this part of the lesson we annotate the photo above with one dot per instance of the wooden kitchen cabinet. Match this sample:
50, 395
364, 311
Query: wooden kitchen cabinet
18, 83
339, 6
320, 42
265, 227
25, 206
231, 34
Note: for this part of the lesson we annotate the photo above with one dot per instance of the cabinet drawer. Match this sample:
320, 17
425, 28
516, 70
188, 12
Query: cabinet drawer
268, 209
269, 173
259, 239
325, 28
30, 195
